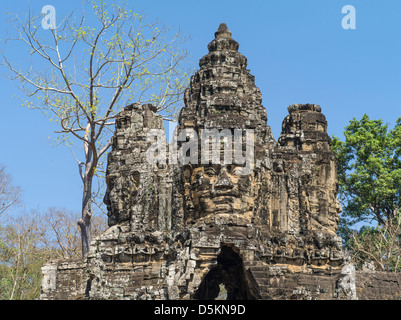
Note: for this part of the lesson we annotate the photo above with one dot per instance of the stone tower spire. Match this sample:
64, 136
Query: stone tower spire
222, 93
223, 31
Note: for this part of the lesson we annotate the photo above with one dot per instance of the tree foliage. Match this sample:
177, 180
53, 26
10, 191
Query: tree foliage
369, 171
20, 260
28, 241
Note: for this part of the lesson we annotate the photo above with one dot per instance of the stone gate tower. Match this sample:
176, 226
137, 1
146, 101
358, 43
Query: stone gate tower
262, 228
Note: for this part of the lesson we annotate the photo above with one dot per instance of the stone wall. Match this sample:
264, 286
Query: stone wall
65, 280
378, 285
141, 281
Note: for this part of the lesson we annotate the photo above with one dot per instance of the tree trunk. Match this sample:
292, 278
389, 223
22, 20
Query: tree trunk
85, 221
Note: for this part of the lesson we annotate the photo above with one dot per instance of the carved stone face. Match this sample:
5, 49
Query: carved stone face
120, 195
216, 189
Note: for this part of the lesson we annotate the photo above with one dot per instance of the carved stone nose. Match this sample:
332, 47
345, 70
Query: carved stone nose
224, 182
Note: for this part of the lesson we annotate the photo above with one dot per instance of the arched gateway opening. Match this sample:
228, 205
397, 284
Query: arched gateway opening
229, 273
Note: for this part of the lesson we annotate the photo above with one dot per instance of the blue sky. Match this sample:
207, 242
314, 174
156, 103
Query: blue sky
296, 49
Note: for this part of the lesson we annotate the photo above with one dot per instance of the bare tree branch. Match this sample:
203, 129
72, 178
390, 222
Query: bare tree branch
85, 72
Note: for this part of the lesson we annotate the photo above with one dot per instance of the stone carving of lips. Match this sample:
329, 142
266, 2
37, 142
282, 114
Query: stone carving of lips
224, 196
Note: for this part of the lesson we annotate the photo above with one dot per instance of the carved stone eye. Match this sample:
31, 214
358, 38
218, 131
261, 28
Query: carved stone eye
235, 170
210, 171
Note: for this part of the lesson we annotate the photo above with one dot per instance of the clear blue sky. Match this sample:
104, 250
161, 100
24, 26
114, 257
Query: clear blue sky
297, 50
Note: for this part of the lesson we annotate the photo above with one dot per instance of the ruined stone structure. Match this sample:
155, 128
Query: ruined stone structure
263, 230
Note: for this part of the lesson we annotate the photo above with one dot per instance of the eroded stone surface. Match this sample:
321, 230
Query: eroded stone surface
180, 231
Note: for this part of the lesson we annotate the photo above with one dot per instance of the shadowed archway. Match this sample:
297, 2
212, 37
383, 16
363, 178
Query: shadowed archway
230, 273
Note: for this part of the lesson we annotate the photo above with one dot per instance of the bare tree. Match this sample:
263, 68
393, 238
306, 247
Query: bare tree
378, 246
9, 194
59, 232
87, 70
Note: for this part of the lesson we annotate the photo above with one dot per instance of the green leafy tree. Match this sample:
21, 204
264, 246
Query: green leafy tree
369, 174
369, 171
84, 71
20, 259
29, 240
